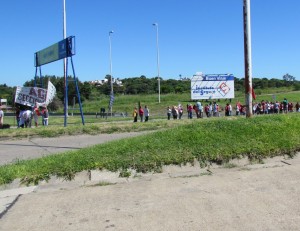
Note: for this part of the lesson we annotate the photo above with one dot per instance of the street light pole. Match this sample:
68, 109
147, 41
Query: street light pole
65, 67
157, 48
110, 67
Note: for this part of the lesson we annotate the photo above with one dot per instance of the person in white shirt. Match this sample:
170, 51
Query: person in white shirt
25, 118
146, 113
1, 118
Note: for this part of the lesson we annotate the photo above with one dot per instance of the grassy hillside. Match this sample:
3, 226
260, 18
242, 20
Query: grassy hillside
126, 103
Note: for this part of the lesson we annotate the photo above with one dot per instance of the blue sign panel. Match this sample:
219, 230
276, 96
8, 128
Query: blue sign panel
57, 51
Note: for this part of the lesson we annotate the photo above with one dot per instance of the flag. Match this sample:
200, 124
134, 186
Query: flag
51, 91
253, 94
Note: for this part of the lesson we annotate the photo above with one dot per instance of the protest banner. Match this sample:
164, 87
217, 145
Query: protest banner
31, 96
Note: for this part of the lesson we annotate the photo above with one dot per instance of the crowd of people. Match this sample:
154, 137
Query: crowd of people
266, 107
25, 116
198, 109
143, 114
212, 109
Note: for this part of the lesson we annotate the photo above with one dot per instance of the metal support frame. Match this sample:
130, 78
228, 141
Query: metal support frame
77, 91
76, 85
36, 76
70, 51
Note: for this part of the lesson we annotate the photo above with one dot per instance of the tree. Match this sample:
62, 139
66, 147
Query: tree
288, 78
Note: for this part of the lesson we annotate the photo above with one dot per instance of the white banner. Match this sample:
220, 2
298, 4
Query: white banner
31, 96
212, 86
50, 93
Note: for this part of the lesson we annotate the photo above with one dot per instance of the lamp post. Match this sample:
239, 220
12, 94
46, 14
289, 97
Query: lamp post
157, 48
65, 67
110, 68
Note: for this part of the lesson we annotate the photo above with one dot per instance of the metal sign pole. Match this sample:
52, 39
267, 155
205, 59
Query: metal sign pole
65, 66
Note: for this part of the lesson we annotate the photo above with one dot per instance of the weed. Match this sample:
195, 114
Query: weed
229, 165
102, 183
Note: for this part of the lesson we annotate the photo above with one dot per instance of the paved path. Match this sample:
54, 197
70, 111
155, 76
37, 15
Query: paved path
12, 150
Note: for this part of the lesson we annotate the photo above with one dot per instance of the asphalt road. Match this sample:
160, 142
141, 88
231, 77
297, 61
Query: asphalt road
12, 150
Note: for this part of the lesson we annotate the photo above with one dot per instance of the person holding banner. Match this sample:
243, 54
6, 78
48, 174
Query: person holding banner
36, 114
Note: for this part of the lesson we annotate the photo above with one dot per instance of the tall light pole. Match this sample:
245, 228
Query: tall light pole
248, 59
157, 48
65, 66
110, 68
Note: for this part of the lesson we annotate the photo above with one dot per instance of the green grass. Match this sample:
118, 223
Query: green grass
215, 140
101, 127
126, 103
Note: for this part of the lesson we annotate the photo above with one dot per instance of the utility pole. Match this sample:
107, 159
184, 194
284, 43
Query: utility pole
65, 66
248, 59
157, 49
111, 78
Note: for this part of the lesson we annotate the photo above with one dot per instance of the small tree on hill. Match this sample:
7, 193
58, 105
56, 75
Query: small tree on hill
288, 78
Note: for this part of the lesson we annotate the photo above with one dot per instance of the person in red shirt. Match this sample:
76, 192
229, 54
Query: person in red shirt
141, 113
36, 114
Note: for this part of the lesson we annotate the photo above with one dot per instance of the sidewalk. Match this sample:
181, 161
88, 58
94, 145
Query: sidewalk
12, 150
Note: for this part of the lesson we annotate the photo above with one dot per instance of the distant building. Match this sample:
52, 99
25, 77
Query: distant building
185, 79
105, 81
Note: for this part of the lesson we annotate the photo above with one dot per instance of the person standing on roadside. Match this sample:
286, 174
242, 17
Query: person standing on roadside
135, 114
146, 113
227, 110
285, 103
141, 113
18, 116
1, 117
36, 114
297, 107
45, 116
169, 112
180, 111
190, 111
